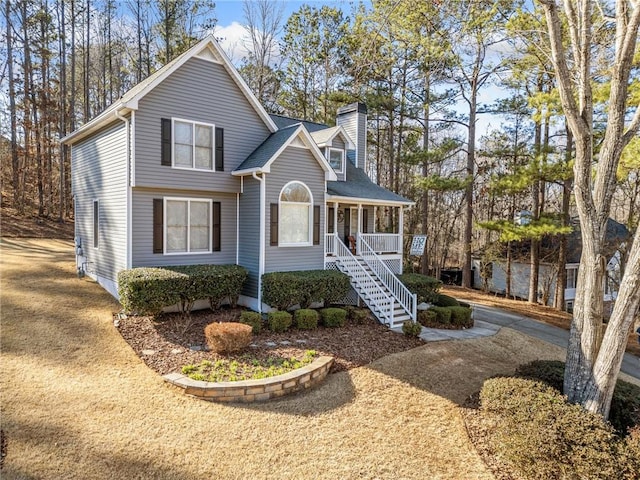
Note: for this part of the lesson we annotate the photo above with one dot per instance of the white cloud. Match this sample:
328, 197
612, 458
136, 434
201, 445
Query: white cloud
234, 40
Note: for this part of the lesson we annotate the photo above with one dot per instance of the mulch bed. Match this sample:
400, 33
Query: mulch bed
165, 349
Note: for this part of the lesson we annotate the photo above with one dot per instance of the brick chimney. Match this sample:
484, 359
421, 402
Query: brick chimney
353, 118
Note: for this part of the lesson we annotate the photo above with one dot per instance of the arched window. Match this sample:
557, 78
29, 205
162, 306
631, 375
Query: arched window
295, 214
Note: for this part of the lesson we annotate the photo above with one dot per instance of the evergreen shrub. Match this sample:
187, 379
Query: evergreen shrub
253, 319
283, 290
306, 319
333, 317
425, 287
279, 321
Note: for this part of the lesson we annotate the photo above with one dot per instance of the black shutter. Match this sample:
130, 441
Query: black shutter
331, 219
365, 221
158, 225
274, 225
217, 230
316, 225
219, 149
347, 225
166, 141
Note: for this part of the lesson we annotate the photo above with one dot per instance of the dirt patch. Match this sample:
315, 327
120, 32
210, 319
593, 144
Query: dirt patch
13, 225
538, 312
351, 346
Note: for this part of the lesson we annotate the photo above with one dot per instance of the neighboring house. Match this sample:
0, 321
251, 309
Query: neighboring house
188, 168
617, 234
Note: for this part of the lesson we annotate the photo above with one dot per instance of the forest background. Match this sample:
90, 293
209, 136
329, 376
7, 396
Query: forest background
498, 189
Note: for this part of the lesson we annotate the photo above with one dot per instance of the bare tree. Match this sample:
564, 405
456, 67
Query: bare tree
593, 360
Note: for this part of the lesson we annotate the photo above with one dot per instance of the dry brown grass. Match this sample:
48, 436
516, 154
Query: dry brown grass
77, 403
538, 312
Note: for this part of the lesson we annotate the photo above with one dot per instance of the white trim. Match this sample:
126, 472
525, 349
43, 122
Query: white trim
367, 201
339, 129
128, 127
301, 132
309, 205
164, 224
262, 237
130, 100
194, 124
342, 155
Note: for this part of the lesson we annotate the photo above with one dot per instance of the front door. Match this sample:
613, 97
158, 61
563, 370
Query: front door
347, 225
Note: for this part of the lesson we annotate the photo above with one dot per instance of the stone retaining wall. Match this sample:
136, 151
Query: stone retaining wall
255, 390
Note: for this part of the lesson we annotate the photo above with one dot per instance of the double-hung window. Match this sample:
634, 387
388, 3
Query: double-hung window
188, 225
192, 145
336, 159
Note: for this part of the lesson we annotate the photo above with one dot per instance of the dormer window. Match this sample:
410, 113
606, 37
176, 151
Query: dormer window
336, 159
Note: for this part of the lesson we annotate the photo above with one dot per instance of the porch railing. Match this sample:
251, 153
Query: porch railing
383, 242
403, 296
330, 240
373, 294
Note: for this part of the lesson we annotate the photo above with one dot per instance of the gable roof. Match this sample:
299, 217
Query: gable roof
208, 49
281, 121
260, 160
323, 137
360, 187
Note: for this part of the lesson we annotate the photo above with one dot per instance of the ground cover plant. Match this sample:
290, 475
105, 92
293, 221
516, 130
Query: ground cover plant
246, 367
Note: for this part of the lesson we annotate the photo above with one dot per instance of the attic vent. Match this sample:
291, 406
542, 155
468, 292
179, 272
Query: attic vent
208, 54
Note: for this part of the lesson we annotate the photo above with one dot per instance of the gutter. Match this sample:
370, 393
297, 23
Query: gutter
128, 259
262, 236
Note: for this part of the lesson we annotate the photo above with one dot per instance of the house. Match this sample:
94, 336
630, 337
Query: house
188, 168
616, 236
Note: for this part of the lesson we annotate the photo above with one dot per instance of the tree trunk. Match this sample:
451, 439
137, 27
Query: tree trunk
15, 162
468, 195
561, 283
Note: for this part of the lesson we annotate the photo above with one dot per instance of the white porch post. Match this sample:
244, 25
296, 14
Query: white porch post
401, 233
359, 228
335, 219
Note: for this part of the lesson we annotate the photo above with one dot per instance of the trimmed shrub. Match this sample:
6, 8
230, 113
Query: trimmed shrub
147, 290
445, 301
411, 329
306, 319
253, 319
333, 317
227, 337
279, 321
283, 290
427, 318
631, 455
543, 437
443, 315
464, 304
357, 315
625, 404
461, 316
426, 288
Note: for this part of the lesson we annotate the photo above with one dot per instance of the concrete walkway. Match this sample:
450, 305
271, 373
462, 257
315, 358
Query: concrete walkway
489, 320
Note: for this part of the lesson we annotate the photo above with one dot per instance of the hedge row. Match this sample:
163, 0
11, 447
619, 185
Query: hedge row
446, 317
283, 290
426, 288
147, 290
541, 436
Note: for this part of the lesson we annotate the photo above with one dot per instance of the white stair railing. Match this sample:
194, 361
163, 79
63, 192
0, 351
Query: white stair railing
378, 301
400, 293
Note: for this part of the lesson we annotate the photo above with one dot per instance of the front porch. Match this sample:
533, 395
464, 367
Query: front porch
354, 225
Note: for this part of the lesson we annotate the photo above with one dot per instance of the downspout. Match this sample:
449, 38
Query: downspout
261, 259
128, 183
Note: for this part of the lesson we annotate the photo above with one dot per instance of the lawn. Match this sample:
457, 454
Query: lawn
78, 403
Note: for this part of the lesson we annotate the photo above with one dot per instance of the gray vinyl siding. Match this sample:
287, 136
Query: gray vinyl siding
249, 254
295, 164
337, 142
355, 124
142, 219
99, 172
201, 91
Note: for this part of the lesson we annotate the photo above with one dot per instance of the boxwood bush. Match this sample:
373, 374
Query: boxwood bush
442, 300
443, 315
333, 317
426, 288
411, 329
542, 436
283, 290
147, 290
306, 319
279, 321
625, 404
461, 316
253, 319
428, 318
